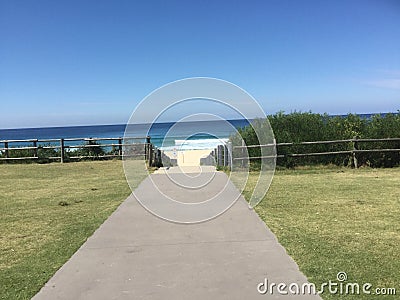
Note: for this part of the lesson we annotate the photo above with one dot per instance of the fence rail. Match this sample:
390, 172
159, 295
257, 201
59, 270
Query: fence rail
64, 148
354, 145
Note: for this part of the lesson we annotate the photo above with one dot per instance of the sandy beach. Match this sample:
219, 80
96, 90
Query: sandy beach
188, 157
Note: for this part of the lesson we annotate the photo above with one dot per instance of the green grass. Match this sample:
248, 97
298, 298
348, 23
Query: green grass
328, 219
47, 212
338, 219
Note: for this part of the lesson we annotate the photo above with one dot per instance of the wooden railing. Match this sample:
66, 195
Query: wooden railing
142, 147
353, 151
63, 149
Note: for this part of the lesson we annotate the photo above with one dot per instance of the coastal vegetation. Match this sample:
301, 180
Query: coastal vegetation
46, 153
300, 127
294, 128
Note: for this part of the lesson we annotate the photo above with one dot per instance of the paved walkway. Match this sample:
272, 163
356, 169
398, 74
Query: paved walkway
135, 255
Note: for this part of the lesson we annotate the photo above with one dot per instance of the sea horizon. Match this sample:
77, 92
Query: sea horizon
363, 115
162, 133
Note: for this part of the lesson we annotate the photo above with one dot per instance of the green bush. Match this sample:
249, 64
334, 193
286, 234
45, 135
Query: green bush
44, 154
92, 149
16, 153
380, 128
300, 127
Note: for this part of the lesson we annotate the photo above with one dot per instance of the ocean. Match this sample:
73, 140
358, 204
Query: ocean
187, 135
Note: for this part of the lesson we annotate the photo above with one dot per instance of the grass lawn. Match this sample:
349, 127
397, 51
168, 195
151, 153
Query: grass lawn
47, 212
338, 220
329, 220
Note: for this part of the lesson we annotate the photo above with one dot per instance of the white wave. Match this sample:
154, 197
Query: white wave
203, 144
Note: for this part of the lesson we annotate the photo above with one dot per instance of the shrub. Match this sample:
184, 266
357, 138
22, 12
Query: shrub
44, 154
92, 149
300, 127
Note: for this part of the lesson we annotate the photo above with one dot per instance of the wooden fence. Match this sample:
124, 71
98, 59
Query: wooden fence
353, 152
154, 157
223, 155
63, 149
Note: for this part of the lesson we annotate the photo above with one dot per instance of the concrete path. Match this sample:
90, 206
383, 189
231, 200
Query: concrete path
135, 255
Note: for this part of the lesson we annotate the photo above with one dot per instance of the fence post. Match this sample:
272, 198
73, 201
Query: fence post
151, 154
214, 154
147, 149
120, 146
220, 154
159, 158
155, 157
229, 154
62, 150
35, 150
354, 155
242, 154
225, 155
6, 149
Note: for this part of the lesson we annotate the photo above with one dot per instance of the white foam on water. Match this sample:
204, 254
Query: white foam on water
202, 144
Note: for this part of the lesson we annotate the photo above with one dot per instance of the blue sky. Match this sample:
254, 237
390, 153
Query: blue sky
91, 62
